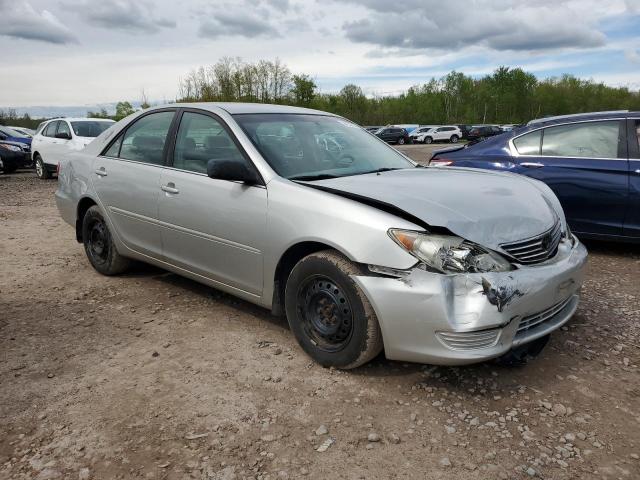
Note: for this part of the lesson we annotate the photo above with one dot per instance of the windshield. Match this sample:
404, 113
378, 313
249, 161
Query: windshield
310, 146
90, 128
10, 132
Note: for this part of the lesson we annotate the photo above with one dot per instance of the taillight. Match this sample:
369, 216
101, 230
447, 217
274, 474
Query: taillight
440, 162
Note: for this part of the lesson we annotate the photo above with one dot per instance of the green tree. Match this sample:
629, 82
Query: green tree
304, 90
123, 109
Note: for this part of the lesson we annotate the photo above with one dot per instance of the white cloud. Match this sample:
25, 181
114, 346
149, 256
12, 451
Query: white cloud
18, 19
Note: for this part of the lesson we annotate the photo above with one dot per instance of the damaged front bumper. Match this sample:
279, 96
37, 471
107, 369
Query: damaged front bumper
458, 319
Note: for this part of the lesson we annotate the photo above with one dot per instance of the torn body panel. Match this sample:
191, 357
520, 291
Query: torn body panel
415, 309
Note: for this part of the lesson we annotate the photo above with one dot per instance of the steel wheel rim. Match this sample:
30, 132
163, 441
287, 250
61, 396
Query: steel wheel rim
325, 313
97, 242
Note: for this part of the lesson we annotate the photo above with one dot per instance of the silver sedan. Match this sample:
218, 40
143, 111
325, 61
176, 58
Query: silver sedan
307, 214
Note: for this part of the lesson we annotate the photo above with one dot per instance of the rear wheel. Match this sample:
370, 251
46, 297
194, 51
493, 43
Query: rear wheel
99, 246
520, 356
329, 315
454, 139
41, 169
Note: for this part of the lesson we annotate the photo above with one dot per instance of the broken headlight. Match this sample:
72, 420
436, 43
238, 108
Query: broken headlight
448, 253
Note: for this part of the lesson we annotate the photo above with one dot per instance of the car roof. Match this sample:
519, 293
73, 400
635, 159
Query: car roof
582, 117
81, 119
238, 108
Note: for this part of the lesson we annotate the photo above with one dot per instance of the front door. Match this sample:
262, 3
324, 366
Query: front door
214, 228
126, 178
586, 166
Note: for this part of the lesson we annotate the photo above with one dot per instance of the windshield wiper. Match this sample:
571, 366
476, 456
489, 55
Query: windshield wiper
384, 169
320, 176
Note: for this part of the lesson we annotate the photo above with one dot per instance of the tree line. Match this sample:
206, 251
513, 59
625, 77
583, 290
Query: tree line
507, 95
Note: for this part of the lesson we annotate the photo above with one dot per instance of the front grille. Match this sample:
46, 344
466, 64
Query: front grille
532, 321
536, 249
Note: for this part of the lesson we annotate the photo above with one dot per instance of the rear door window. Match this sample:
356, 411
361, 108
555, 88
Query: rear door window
50, 129
144, 140
588, 139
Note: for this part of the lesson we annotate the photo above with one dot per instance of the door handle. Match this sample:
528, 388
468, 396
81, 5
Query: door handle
169, 188
101, 172
532, 165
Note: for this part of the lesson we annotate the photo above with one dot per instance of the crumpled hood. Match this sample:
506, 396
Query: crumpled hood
484, 207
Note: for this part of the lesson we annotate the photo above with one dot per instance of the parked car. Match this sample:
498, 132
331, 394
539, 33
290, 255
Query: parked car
55, 138
11, 135
13, 155
483, 131
362, 251
393, 135
420, 130
445, 133
591, 161
465, 129
25, 131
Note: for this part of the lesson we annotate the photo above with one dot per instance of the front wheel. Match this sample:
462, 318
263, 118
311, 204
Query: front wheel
454, 139
99, 246
428, 140
41, 169
401, 141
329, 315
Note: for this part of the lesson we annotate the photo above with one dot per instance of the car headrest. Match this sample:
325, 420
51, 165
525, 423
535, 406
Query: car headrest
217, 141
147, 141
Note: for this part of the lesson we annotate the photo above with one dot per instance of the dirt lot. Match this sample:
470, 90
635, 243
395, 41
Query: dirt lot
150, 375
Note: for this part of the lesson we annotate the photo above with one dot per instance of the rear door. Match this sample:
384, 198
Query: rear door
212, 227
47, 142
586, 165
632, 220
126, 177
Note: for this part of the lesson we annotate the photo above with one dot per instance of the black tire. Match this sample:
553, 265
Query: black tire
401, 141
520, 356
454, 139
41, 169
428, 140
99, 246
329, 315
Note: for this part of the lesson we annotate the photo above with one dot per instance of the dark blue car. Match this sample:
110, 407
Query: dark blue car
591, 162
11, 135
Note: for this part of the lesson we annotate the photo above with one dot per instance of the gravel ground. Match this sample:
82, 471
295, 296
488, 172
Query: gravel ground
150, 375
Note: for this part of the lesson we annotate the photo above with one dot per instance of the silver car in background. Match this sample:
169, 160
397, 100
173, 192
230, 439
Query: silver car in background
306, 214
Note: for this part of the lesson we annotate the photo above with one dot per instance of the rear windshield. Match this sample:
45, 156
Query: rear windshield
90, 128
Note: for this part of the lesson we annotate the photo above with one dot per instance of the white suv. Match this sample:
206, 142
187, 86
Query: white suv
59, 136
420, 130
449, 133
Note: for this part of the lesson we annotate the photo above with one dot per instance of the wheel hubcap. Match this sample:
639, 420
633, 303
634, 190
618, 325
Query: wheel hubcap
98, 244
39, 168
325, 313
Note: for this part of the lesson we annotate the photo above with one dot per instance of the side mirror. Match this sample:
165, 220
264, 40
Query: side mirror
232, 171
64, 135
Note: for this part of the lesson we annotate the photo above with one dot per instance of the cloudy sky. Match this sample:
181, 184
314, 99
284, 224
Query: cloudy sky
81, 52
